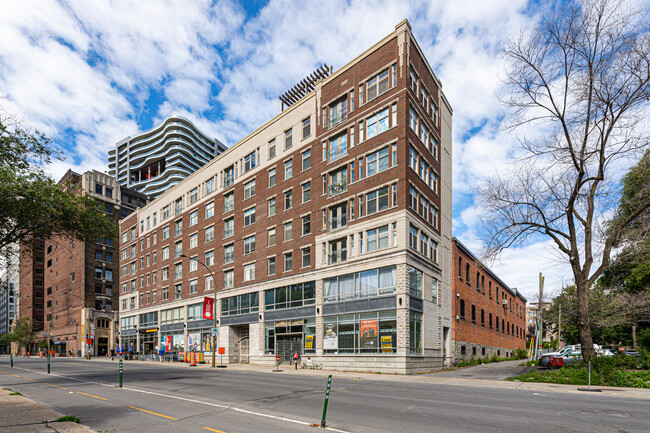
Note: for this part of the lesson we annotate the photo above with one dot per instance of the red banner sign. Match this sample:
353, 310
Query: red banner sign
168, 343
222, 350
208, 304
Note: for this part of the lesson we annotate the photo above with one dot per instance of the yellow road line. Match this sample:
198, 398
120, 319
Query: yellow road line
56, 386
4, 372
214, 430
83, 365
33, 380
15, 375
90, 395
152, 413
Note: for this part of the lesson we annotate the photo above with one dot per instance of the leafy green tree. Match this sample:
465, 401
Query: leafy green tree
23, 332
32, 204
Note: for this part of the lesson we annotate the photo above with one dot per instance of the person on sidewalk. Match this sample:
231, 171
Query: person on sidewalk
131, 351
161, 353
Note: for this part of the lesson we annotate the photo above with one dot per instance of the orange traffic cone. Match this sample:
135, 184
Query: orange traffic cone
41, 353
192, 359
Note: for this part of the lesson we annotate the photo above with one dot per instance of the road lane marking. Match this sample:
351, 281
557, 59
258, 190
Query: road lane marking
90, 395
4, 372
110, 385
73, 363
154, 413
56, 386
214, 430
15, 375
33, 380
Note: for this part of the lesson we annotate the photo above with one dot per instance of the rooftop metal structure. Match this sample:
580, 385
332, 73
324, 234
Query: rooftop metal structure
306, 85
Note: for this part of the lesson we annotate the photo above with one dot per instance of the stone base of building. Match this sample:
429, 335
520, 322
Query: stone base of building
465, 351
366, 364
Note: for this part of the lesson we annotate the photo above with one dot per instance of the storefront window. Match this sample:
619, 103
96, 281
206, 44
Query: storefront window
415, 332
149, 319
128, 322
364, 284
295, 295
173, 315
360, 333
173, 341
290, 336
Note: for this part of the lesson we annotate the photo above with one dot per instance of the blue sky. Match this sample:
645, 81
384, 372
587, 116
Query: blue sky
89, 73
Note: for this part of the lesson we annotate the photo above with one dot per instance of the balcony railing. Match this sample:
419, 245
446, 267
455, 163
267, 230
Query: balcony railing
338, 222
338, 256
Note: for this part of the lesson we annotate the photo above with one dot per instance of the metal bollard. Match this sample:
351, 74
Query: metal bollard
327, 397
589, 383
11, 358
120, 373
48, 362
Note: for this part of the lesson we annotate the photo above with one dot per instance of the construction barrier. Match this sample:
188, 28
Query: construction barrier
41, 353
192, 359
185, 357
201, 358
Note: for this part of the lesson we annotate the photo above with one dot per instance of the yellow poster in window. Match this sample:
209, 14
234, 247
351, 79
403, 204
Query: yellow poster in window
309, 342
387, 344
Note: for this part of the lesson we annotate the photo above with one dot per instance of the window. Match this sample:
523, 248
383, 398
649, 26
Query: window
306, 225
178, 291
98, 188
363, 284
306, 128
288, 138
249, 244
249, 216
272, 149
338, 146
271, 206
209, 234
377, 201
288, 261
338, 182
413, 81
209, 283
194, 195
228, 279
377, 85
209, 187
249, 189
306, 192
271, 237
249, 272
338, 112
306, 160
377, 124
413, 120
194, 264
209, 258
434, 295
249, 162
242, 304
288, 169
228, 202
178, 271
462, 309
99, 255
413, 198
288, 231
288, 199
377, 239
165, 293
228, 227
178, 228
228, 176
194, 218
415, 332
377, 162
271, 267
165, 253
228, 254
165, 212
165, 232
415, 282
209, 210
271, 177
178, 207
306, 257
98, 273
178, 249
194, 287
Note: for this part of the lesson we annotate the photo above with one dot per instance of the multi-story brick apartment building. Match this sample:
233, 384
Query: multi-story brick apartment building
489, 316
327, 229
78, 296
31, 300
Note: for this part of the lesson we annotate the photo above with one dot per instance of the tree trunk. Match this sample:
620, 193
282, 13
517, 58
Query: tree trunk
634, 336
584, 325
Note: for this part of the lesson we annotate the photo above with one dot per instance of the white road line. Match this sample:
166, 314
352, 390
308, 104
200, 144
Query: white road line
236, 409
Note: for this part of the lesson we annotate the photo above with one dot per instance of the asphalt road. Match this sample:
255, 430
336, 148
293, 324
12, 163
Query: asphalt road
162, 398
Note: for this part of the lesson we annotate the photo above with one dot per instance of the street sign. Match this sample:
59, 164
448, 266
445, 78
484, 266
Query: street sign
215, 331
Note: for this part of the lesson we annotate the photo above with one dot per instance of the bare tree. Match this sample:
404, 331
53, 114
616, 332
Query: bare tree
577, 89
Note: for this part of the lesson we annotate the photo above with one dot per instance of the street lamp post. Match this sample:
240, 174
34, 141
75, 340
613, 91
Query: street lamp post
214, 307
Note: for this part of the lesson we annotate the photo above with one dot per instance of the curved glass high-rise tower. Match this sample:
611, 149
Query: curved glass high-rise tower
158, 159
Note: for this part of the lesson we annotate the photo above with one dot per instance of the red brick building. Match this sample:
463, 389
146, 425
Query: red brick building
327, 229
489, 316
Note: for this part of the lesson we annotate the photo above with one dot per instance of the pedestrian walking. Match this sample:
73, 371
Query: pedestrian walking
161, 353
131, 351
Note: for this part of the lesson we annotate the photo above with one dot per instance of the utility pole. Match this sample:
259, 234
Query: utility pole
539, 316
559, 329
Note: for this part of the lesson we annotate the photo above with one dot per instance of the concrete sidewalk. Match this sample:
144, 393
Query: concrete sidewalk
19, 414
419, 378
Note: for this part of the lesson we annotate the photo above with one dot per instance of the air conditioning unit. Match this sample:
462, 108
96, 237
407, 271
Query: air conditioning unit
504, 302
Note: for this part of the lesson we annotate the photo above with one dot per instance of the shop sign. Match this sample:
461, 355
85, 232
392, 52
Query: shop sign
368, 330
168, 343
330, 340
194, 342
222, 350
386, 343
309, 341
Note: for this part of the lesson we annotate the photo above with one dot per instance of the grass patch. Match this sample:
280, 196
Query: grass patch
518, 354
67, 418
15, 393
7, 389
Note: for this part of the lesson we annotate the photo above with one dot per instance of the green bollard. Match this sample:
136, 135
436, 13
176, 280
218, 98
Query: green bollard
327, 397
120, 373
48, 363
11, 358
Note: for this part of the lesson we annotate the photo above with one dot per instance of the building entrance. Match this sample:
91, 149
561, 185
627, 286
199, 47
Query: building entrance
102, 346
242, 344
